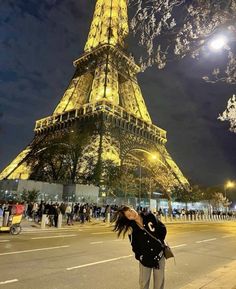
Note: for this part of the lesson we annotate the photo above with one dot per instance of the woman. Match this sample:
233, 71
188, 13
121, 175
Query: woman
147, 236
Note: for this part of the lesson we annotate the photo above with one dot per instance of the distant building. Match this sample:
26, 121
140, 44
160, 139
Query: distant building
12, 189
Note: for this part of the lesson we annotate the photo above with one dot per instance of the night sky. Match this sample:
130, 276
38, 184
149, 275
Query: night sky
39, 41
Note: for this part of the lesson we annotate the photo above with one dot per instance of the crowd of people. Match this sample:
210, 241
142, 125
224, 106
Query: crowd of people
84, 212
192, 213
71, 212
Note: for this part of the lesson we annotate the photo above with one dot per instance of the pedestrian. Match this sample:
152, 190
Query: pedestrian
144, 230
68, 212
56, 212
1, 215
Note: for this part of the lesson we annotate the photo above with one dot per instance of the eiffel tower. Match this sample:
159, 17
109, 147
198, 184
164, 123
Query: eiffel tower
104, 100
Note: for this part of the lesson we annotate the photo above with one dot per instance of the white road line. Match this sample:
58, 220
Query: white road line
102, 233
207, 240
40, 231
34, 250
51, 237
4, 241
99, 262
228, 236
181, 245
9, 281
98, 242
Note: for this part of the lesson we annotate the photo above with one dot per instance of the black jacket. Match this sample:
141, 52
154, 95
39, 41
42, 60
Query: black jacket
148, 250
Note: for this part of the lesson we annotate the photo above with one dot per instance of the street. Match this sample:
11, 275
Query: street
90, 256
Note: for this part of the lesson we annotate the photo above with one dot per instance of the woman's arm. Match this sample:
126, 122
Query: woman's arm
134, 241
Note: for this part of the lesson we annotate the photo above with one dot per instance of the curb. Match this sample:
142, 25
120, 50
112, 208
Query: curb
222, 278
35, 227
31, 227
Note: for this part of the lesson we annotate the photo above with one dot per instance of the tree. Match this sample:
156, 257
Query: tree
127, 184
176, 28
209, 192
110, 175
219, 201
196, 194
149, 184
74, 144
30, 195
119, 180
48, 164
167, 182
215, 197
181, 195
59, 160
230, 114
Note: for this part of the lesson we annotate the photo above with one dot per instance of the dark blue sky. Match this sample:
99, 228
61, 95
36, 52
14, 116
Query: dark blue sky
39, 41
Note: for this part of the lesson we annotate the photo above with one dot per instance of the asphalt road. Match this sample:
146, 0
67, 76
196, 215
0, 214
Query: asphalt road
91, 257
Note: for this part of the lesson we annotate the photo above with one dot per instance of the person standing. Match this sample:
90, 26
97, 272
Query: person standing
68, 212
1, 215
143, 231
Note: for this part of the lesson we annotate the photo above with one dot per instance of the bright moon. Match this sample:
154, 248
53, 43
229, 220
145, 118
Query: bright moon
218, 43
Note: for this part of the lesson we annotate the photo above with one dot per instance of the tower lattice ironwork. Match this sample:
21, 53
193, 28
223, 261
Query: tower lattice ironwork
102, 115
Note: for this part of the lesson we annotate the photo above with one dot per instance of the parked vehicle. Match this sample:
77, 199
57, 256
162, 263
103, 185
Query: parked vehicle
11, 221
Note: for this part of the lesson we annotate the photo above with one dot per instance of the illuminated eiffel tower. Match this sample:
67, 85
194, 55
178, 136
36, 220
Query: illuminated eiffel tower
105, 99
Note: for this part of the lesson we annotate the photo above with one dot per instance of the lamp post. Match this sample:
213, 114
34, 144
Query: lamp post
152, 158
228, 185
140, 185
150, 189
5, 195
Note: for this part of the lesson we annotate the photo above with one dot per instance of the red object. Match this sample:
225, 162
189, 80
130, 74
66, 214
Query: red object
17, 209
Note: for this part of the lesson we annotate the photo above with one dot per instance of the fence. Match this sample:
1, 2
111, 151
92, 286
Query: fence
197, 218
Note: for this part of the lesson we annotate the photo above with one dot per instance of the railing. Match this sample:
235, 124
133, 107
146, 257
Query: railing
197, 218
91, 108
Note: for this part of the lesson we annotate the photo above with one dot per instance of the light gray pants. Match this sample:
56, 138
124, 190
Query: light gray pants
158, 276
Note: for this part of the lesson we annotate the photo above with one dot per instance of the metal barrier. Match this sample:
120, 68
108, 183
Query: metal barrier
197, 218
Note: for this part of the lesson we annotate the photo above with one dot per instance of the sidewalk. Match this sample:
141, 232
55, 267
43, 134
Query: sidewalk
30, 226
223, 278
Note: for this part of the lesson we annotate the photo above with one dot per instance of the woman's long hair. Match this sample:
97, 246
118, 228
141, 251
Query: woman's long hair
122, 224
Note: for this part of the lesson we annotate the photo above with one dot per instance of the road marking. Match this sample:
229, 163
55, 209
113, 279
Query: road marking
228, 236
34, 250
102, 233
207, 240
4, 241
181, 245
99, 262
51, 237
38, 231
185, 232
9, 281
98, 242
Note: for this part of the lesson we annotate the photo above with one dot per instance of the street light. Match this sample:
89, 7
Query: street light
228, 185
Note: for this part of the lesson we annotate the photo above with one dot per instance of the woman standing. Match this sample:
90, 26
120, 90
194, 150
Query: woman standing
143, 231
